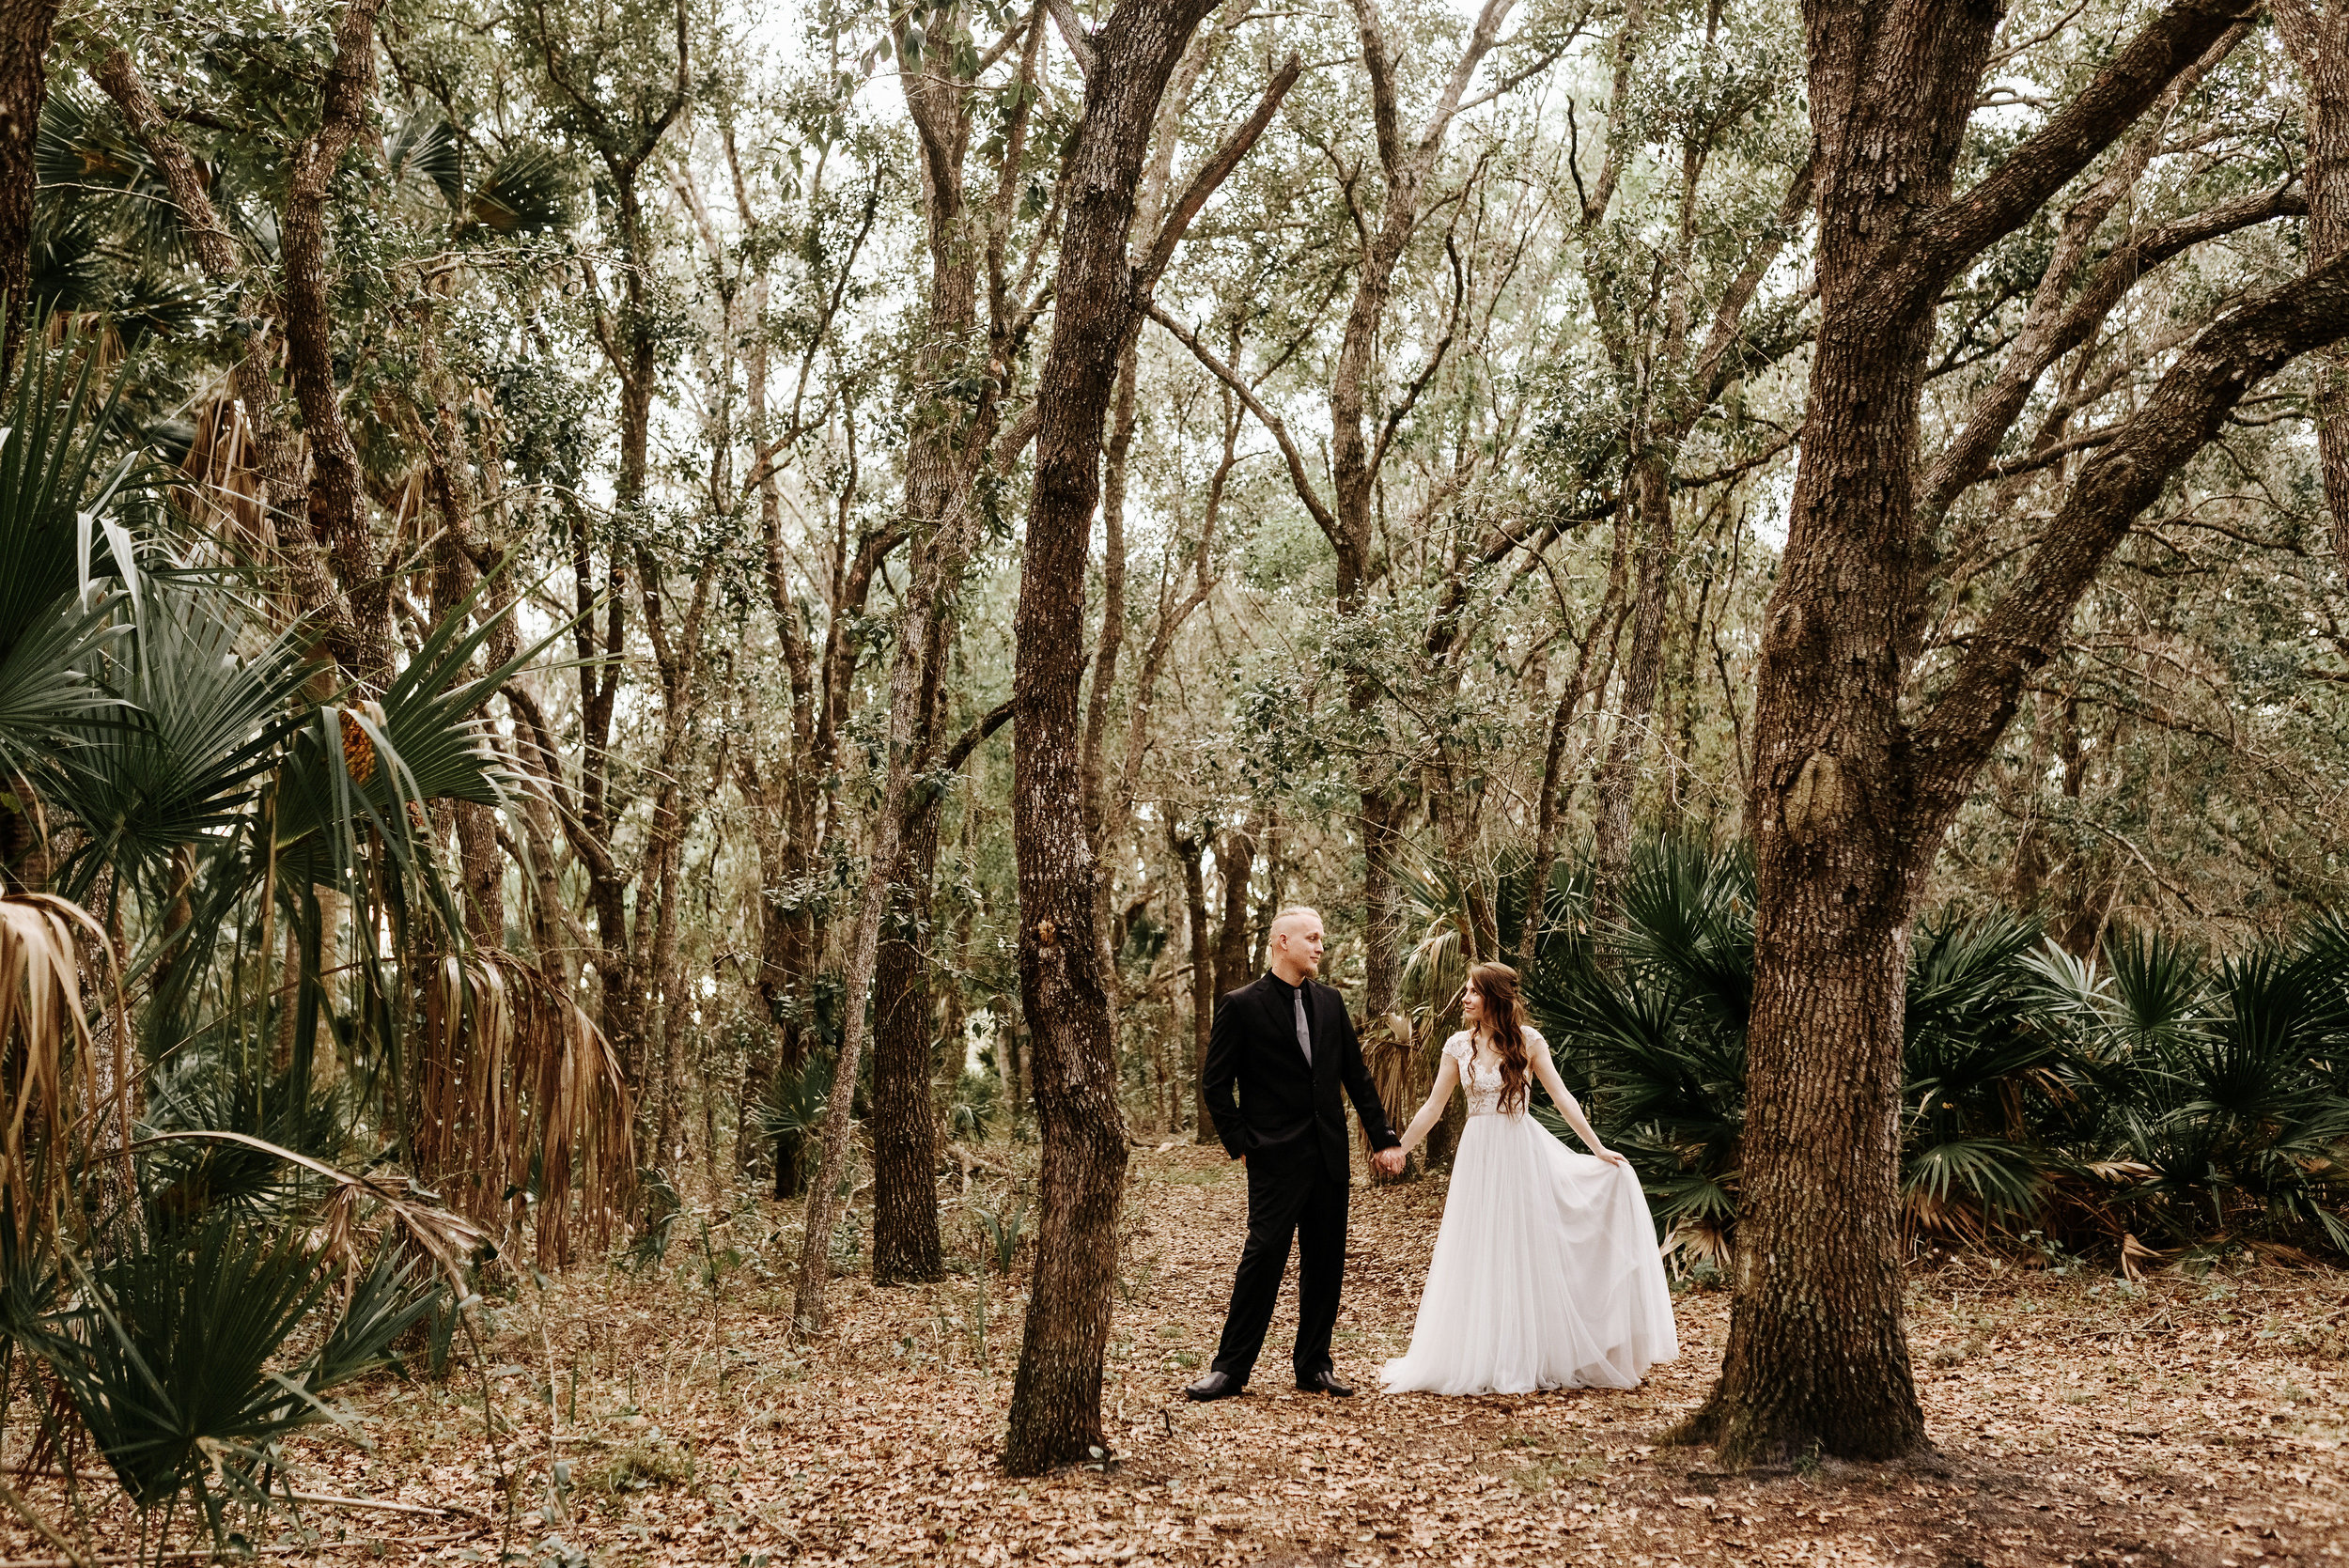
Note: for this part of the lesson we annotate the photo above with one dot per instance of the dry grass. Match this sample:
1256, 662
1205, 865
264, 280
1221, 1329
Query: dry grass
2080, 1421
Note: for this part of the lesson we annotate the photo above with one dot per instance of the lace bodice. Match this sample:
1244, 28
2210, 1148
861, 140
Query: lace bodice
1482, 1084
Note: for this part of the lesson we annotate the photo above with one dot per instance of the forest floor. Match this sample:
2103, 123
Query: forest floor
2077, 1419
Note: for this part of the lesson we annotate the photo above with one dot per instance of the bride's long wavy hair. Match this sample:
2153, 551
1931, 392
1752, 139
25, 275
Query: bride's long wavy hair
1496, 986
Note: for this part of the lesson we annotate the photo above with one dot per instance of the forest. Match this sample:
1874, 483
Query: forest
657, 656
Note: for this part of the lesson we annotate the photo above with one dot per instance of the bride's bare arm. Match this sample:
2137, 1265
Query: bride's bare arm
1447, 1079
1568, 1107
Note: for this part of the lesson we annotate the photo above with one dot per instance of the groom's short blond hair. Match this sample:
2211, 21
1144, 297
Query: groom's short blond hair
1290, 910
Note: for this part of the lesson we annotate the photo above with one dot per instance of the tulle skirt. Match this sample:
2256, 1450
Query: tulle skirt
1546, 1273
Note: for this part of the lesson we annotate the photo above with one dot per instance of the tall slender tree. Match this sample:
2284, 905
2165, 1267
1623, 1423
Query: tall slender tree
614, 88
951, 448
1100, 295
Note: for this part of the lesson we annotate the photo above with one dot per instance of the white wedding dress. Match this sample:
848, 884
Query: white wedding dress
1546, 1274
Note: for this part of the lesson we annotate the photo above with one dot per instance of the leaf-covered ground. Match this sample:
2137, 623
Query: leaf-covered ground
2197, 1420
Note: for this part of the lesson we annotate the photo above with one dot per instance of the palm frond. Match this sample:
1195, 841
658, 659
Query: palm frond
56, 616
1687, 919
1998, 1179
424, 148
2158, 983
526, 191
211, 721
169, 1366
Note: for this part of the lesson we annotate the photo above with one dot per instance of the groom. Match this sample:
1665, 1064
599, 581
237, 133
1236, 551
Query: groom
1286, 1045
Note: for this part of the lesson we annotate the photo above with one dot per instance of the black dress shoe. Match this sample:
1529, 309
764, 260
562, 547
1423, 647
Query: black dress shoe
1324, 1383
1215, 1385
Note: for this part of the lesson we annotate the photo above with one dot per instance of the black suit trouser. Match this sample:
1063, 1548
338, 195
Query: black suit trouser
1289, 1195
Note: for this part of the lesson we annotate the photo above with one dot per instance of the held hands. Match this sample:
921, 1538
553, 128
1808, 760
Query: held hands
1388, 1162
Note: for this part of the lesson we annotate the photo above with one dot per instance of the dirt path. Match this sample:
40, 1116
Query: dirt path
2080, 1421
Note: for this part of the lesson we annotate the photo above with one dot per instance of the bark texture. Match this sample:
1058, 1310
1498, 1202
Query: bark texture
1850, 794
24, 28
362, 638
2316, 32
906, 1246
1056, 1394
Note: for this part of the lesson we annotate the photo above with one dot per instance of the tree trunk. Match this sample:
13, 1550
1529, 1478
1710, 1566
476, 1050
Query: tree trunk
1619, 775
1818, 1352
1107, 650
1847, 806
337, 522
1056, 1394
941, 547
24, 28
624, 138
1187, 853
677, 650
2316, 32
906, 1246
777, 984
1234, 864
1383, 810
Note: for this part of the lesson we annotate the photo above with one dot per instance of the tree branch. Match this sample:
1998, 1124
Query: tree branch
1379, 66
970, 740
2184, 411
214, 251
1969, 459
1213, 172
1727, 319
2047, 162
1420, 382
1074, 33
1266, 417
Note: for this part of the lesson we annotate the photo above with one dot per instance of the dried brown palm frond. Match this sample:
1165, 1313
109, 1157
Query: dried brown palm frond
2136, 1257
1950, 1217
1696, 1242
221, 486
56, 1095
521, 1098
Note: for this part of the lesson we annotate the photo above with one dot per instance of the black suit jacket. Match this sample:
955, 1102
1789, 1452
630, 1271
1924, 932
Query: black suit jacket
1285, 1107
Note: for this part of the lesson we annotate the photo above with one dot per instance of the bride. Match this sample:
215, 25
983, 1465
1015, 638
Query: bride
1546, 1273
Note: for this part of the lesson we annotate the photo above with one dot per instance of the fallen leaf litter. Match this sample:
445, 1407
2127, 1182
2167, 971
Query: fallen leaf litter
2079, 1421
